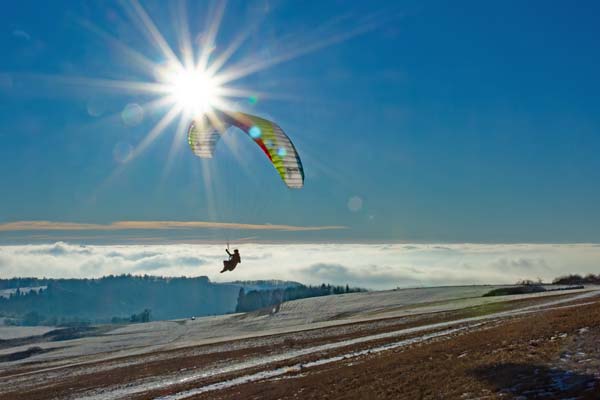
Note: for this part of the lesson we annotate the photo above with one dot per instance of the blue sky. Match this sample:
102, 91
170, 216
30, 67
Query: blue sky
437, 122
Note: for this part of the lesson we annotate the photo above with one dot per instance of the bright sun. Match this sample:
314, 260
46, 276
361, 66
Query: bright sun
196, 80
193, 90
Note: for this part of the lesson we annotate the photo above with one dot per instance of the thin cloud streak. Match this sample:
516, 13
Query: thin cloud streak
153, 225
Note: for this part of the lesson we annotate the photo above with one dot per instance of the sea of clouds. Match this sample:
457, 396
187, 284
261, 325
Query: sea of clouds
374, 266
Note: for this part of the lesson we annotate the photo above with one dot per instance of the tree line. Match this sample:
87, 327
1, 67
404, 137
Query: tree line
257, 299
574, 279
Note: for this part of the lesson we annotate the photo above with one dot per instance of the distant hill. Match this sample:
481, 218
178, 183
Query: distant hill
114, 297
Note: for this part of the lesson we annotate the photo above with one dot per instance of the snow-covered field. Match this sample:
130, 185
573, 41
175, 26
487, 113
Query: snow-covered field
361, 319
6, 293
293, 316
14, 332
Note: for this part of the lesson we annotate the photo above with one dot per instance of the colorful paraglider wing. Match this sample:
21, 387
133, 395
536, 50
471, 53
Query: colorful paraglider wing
203, 137
275, 144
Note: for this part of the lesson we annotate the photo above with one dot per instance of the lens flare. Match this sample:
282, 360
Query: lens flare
255, 132
132, 114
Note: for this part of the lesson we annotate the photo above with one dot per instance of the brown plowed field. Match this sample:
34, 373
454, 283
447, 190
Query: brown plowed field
550, 353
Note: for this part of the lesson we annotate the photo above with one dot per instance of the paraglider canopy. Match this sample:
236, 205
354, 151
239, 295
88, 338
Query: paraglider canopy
204, 133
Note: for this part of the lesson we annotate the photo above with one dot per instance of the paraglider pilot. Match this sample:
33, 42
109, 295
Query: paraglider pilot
234, 260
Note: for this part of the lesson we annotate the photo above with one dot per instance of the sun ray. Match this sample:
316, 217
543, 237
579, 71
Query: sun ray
242, 93
216, 121
184, 36
155, 132
137, 59
176, 145
207, 175
102, 83
221, 103
235, 44
208, 41
156, 104
245, 69
153, 32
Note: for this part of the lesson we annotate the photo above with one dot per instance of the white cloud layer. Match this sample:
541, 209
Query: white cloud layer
373, 266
